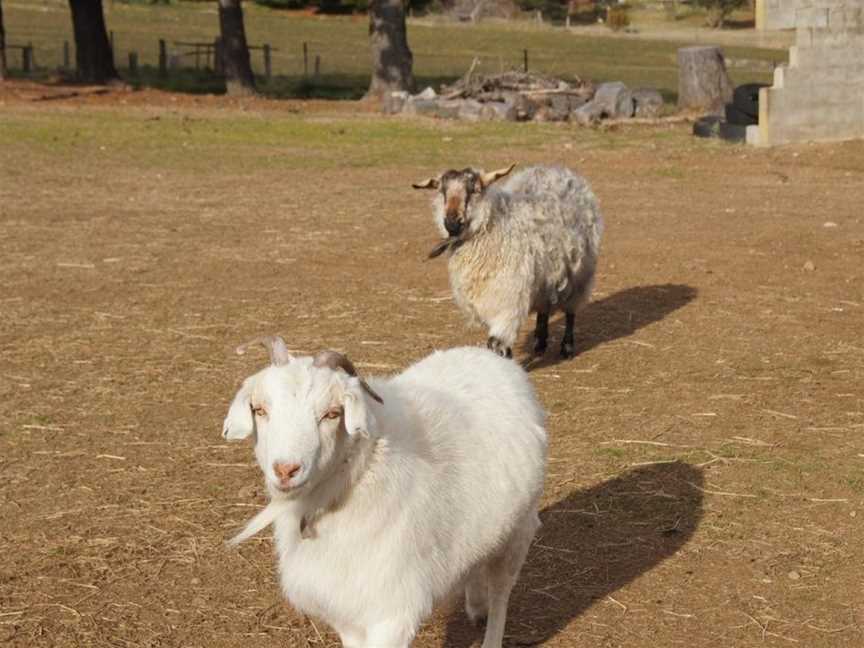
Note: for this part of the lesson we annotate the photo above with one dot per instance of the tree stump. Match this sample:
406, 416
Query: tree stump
94, 58
239, 80
392, 61
703, 83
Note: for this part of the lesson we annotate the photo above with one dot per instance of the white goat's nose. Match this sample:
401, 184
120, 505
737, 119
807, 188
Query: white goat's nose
285, 471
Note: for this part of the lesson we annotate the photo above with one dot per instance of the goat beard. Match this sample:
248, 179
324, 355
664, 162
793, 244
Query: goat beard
450, 243
261, 521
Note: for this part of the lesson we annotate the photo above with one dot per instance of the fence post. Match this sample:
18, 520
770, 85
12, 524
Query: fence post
525, 60
163, 58
268, 70
305, 60
317, 66
66, 56
133, 63
27, 58
218, 62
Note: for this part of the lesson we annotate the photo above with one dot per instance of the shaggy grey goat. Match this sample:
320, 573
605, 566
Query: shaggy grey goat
529, 244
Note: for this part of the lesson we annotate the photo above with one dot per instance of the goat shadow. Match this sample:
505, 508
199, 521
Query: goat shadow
592, 543
613, 317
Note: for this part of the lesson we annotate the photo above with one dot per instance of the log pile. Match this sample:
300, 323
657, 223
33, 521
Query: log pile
526, 96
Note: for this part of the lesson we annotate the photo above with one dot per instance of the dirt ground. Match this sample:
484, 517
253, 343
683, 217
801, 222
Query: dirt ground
705, 476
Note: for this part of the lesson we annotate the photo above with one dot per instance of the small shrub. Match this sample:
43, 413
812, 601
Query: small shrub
719, 10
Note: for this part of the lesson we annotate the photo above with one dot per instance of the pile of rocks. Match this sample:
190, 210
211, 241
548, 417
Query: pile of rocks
522, 96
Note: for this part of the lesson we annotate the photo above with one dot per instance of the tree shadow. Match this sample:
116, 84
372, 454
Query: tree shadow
592, 543
739, 24
611, 318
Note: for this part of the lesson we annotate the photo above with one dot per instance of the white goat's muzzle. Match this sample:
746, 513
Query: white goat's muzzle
287, 475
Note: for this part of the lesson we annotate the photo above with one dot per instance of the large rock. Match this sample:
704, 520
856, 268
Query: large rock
573, 101
587, 114
524, 107
470, 110
498, 111
553, 111
428, 93
614, 100
703, 83
394, 102
438, 107
418, 106
648, 103
449, 108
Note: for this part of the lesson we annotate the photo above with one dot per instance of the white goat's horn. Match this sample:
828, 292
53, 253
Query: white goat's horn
274, 344
335, 360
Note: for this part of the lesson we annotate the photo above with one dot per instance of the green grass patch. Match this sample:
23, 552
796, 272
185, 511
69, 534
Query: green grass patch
612, 453
671, 172
205, 140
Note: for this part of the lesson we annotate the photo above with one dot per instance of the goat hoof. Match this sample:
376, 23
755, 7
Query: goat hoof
540, 348
494, 344
567, 351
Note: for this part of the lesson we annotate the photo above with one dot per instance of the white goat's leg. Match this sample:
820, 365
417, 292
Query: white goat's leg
390, 634
503, 573
501, 583
477, 594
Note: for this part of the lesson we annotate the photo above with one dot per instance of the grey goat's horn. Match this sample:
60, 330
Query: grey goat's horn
274, 344
335, 360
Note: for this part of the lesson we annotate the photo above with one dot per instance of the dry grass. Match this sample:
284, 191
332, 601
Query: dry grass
704, 480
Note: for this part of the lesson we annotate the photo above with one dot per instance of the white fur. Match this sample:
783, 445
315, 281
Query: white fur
532, 245
435, 489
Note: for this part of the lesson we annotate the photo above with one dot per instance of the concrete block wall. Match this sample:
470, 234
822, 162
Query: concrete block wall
819, 96
784, 14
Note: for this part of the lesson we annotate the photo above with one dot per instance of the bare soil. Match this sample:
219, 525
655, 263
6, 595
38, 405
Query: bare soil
705, 477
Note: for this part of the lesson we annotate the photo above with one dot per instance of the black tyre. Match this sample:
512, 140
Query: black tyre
746, 98
739, 118
708, 126
733, 132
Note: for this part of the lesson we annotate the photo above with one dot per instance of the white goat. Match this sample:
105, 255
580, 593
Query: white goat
530, 245
384, 505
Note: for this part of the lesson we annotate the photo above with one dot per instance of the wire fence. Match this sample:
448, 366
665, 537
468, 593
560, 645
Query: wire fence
266, 60
306, 67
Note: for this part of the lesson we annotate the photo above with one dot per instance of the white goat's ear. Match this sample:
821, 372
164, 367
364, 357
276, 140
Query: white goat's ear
359, 419
488, 178
239, 423
430, 183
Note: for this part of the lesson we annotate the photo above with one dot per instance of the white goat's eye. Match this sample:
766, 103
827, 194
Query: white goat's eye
259, 411
332, 414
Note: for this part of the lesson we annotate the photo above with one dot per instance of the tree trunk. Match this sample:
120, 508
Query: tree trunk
239, 80
3, 71
391, 57
93, 56
703, 83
